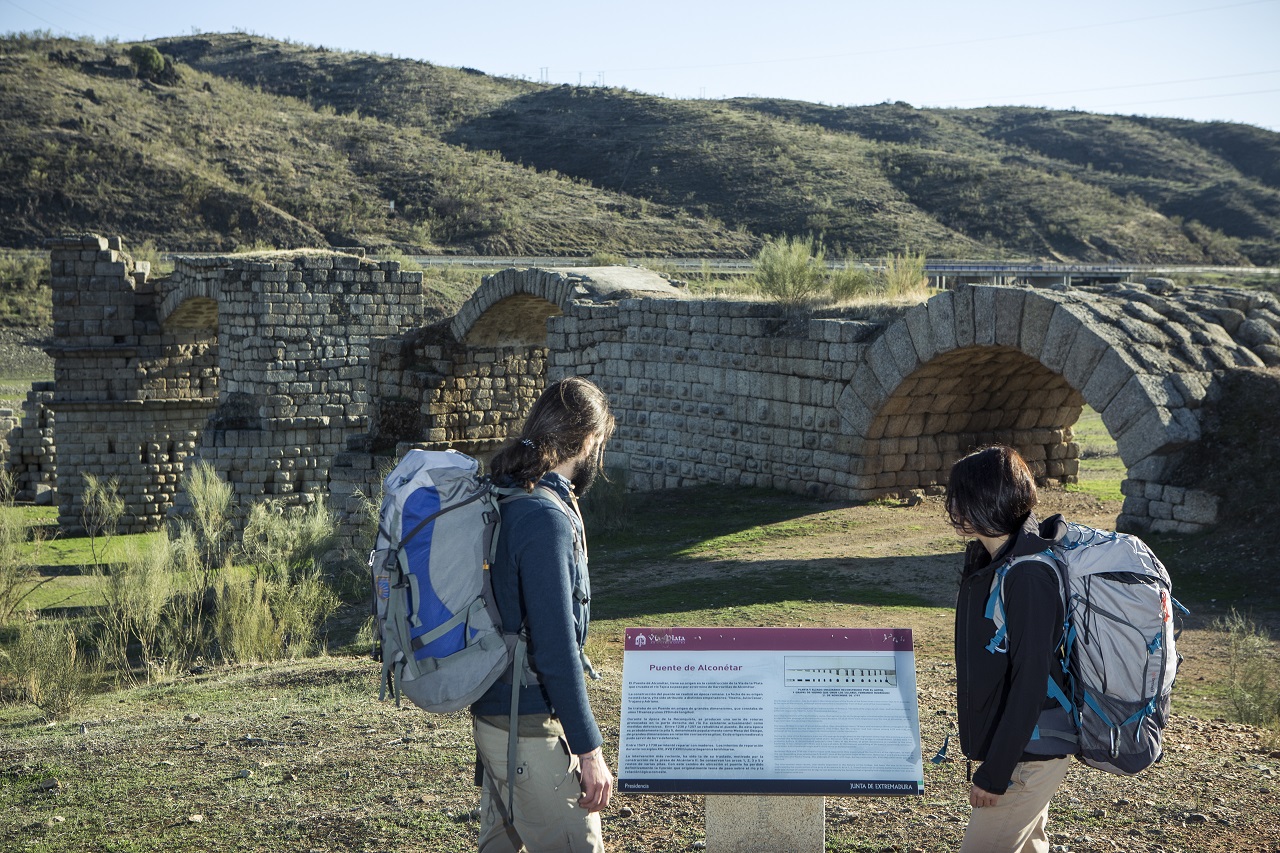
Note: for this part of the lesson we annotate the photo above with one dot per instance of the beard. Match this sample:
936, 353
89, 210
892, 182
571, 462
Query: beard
585, 473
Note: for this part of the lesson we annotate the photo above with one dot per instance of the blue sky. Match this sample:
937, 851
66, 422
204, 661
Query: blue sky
1198, 59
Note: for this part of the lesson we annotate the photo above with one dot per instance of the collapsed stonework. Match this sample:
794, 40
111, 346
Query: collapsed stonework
253, 363
305, 373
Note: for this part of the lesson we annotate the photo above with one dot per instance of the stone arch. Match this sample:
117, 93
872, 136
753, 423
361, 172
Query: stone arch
1015, 365
193, 304
511, 308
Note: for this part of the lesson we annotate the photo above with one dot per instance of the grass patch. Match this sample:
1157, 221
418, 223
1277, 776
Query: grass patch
1092, 436
1101, 468
796, 595
725, 546
695, 520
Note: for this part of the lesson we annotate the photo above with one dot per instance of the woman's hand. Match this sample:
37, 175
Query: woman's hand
979, 797
597, 781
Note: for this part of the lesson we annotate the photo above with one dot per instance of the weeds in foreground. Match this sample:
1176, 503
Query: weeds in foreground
139, 594
1253, 673
100, 513
48, 666
210, 520
178, 601
19, 575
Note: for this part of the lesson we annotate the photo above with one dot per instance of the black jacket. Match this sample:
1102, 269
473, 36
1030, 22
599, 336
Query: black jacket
1002, 697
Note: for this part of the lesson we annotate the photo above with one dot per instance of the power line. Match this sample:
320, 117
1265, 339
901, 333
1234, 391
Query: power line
37, 17
915, 48
1007, 98
1187, 98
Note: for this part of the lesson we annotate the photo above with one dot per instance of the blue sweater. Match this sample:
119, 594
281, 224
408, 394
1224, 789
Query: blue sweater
540, 578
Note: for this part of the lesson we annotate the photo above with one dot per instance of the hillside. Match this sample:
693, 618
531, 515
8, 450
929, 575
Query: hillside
253, 141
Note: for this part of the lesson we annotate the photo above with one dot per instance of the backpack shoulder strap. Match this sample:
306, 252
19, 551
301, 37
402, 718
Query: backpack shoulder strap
995, 610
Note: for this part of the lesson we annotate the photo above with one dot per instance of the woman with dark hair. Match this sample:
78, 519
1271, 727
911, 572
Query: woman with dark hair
541, 584
1005, 713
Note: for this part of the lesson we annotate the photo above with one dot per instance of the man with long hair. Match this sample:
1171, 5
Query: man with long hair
541, 585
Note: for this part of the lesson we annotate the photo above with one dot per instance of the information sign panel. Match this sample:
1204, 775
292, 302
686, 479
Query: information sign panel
770, 711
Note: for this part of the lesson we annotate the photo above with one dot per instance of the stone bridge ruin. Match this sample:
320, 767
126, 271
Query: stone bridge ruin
303, 373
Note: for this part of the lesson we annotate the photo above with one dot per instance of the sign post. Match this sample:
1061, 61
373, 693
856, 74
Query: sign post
769, 711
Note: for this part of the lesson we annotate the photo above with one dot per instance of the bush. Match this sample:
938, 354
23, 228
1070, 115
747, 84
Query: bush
852, 281
138, 593
1253, 672
19, 575
607, 259
244, 626
791, 271
904, 277
47, 665
209, 520
147, 61
100, 512
281, 544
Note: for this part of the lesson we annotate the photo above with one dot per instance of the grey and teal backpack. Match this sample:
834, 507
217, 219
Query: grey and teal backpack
1117, 649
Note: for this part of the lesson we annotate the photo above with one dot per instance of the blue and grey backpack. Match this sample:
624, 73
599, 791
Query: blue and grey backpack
1118, 645
437, 632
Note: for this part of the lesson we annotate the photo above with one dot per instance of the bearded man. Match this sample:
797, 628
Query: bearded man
541, 586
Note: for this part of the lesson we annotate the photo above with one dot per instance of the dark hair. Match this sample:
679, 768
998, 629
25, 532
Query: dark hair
991, 492
561, 422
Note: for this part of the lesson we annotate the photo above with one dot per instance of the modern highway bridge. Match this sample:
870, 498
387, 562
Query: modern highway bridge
941, 273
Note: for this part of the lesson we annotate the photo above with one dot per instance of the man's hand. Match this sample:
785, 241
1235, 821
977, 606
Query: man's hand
979, 797
597, 781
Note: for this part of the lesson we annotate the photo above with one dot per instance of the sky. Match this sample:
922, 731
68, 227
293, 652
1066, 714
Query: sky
1208, 60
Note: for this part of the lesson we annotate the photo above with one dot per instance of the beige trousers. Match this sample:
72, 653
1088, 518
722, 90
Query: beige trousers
547, 818
1017, 823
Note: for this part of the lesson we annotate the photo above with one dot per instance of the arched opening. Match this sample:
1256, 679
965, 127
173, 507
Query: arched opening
196, 312
968, 398
516, 321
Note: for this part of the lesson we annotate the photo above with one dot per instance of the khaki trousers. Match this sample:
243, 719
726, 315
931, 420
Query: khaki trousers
547, 817
1017, 823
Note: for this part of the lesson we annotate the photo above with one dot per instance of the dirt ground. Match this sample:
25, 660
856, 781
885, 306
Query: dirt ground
1216, 789
302, 756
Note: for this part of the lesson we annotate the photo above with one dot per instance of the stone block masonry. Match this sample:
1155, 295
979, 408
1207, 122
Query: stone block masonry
130, 397
843, 407
256, 364
296, 333
29, 450
298, 374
